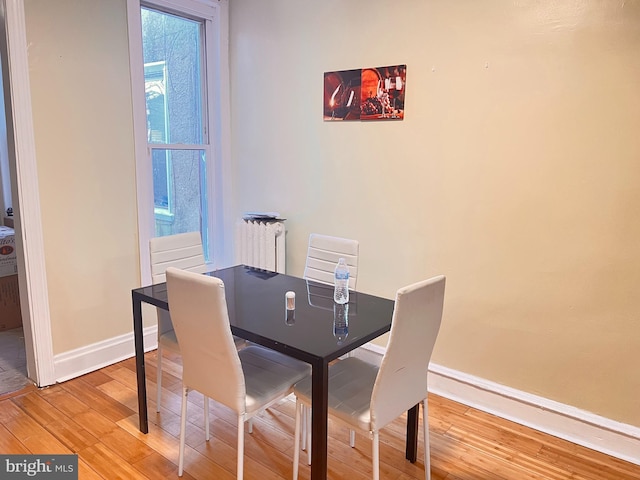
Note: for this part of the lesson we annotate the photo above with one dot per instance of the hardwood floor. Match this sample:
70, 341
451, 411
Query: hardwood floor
95, 417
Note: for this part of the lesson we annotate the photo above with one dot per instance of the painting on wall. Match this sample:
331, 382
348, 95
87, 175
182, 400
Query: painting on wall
365, 94
382, 95
342, 95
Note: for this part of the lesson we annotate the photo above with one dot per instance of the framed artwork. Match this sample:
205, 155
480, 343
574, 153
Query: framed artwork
342, 95
366, 94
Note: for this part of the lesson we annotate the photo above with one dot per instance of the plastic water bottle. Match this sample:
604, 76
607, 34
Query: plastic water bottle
341, 282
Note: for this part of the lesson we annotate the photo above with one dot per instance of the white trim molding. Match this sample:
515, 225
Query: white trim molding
89, 358
144, 181
34, 296
583, 428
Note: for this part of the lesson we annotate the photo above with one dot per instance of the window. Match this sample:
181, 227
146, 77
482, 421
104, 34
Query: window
176, 136
175, 54
155, 81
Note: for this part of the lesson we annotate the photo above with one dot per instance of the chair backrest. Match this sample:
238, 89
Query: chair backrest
402, 379
210, 361
183, 250
323, 254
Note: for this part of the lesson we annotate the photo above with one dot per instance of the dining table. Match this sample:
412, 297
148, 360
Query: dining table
317, 331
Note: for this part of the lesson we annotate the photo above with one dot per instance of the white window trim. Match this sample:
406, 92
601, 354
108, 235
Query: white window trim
219, 118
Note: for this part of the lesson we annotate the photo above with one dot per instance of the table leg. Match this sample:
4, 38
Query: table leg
319, 413
412, 434
140, 373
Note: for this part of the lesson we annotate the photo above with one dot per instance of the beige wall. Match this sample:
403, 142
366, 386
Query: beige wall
515, 173
81, 95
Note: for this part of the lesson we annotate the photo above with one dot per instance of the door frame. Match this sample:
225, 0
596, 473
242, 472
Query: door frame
32, 277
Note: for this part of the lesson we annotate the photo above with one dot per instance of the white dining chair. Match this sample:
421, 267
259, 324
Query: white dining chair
367, 397
183, 250
323, 253
247, 381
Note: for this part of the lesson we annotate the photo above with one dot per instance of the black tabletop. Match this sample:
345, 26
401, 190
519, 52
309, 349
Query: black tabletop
257, 312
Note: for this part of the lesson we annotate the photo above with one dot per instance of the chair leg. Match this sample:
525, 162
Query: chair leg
240, 469
352, 438
425, 434
304, 426
159, 378
183, 429
375, 455
308, 421
296, 438
206, 418
250, 422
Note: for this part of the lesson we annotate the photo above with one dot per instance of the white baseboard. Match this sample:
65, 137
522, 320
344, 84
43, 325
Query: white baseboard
563, 421
584, 428
87, 359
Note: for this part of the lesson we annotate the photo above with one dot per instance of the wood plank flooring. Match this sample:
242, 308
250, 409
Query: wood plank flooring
95, 417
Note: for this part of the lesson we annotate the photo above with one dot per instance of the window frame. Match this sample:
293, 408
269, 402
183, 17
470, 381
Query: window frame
214, 14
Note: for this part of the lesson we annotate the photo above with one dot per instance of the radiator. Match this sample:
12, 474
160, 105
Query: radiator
261, 244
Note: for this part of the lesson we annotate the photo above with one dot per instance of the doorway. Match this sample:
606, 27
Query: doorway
13, 357
23, 172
